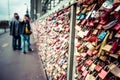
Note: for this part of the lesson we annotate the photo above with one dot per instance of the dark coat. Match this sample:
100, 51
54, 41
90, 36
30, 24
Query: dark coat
23, 25
14, 27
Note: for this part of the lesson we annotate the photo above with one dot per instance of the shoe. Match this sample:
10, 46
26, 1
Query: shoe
14, 49
23, 52
30, 49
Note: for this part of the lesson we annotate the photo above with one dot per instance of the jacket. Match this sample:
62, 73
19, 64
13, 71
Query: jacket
23, 25
14, 27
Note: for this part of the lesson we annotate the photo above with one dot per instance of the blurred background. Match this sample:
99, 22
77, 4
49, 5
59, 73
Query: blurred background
35, 8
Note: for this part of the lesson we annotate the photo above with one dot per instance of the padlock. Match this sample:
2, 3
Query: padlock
95, 32
91, 76
88, 62
102, 35
107, 47
83, 54
110, 24
90, 52
95, 52
90, 46
98, 67
93, 38
104, 72
104, 18
117, 35
92, 67
85, 72
114, 46
78, 58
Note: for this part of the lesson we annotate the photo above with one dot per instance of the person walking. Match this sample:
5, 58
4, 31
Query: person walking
25, 32
15, 33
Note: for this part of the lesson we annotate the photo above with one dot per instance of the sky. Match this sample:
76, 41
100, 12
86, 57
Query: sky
14, 6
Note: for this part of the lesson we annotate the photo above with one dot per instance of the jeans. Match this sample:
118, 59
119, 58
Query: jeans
16, 42
25, 39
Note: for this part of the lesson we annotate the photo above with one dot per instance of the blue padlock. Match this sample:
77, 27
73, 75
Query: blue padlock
102, 35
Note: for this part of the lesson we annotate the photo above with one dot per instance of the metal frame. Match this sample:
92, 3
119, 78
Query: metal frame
60, 6
71, 43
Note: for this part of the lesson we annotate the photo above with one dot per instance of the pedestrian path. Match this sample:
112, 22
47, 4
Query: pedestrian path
17, 66
2, 31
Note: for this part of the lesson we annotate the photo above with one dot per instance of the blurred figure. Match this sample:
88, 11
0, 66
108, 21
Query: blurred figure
15, 32
25, 32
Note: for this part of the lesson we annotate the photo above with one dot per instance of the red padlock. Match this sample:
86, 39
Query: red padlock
103, 73
93, 38
89, 52
79, 68
78, 45
85, 72
104, 18
88, 62
117, 27
78, 58
98, 67
95, 52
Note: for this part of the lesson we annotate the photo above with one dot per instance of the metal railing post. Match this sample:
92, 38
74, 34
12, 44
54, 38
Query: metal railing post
71, 43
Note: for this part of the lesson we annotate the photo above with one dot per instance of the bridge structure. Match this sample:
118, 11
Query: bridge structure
40, 7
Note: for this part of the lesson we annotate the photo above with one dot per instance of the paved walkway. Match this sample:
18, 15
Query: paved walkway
17, 66
2, 31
